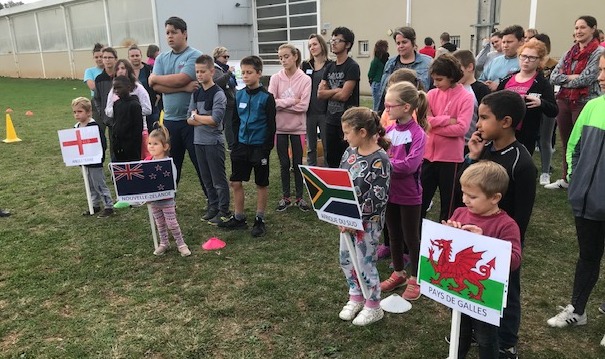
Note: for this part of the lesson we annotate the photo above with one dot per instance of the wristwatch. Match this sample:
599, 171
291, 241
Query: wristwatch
192, 117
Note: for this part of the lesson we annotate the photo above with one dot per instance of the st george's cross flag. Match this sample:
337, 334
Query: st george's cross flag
333, 195
143, 181
81, 146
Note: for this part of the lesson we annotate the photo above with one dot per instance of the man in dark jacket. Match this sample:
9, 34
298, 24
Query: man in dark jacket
103, 84
446, 45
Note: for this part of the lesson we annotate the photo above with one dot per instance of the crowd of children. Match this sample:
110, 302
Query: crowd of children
458, 138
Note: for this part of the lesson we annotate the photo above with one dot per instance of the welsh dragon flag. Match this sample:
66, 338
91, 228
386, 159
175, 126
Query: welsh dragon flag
333, 195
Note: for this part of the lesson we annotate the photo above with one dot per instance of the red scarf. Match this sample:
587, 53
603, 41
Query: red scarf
580, 57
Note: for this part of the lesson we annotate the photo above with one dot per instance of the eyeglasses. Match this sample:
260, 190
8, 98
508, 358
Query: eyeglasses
388, 107
225, 56
337, 41
108, 57
528, 58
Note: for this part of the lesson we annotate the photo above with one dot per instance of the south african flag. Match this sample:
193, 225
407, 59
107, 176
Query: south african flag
332, 194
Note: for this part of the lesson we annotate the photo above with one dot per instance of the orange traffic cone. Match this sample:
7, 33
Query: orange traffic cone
11, 135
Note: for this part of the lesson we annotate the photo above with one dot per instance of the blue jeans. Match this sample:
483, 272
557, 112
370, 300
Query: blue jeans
375, 95
486, 335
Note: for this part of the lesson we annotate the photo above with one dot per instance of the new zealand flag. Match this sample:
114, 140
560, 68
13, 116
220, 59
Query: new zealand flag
144, 180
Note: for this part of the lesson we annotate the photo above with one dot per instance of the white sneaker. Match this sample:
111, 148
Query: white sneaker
162, 248
350, 310
603, 341
567, 317
544, 179
558, 184
368, 316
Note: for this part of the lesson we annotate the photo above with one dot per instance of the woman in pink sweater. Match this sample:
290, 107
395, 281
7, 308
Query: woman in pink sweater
451, 109
292, 91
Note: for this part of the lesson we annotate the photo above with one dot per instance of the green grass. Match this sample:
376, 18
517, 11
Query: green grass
74, 287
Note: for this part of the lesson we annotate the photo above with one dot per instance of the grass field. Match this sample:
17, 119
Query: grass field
75, 287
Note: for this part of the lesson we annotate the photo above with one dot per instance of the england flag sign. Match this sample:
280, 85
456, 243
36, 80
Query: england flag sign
81, 146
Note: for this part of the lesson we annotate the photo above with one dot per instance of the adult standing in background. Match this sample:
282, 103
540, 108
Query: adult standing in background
576, 73
316, 114
492, 48
340, 86
103, 84
446, 46
407, 57
91, 73
142, 71
381, 56
429, 47
224, 77
152, 52
502, 66
174, 76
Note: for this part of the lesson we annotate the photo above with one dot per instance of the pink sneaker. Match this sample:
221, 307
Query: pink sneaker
393, 282
383, 251
412, 291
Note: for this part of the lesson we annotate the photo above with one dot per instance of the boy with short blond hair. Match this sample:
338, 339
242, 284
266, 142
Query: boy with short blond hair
254, 132
82, 110
207, 112
483, 186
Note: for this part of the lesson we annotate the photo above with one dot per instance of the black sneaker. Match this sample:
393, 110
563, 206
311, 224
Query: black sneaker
302, 205
107, 212
95, 210
258, 230
509, 353
283, 204
209, 215
4, 213
220, 217
602, 308
233, 223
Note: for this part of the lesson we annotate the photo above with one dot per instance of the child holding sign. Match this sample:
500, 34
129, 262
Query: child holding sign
370, 169
408, 139
82, 109
164, 211
483, 185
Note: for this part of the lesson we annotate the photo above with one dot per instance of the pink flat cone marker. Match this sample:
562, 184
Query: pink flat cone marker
213, 244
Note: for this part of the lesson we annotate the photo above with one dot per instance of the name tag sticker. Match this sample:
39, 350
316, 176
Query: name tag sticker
309, 72
243, 105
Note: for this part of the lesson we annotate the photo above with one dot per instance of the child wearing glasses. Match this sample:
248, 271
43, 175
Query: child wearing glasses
535, 89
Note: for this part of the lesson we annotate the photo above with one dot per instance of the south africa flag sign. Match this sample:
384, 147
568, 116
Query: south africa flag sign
333, 195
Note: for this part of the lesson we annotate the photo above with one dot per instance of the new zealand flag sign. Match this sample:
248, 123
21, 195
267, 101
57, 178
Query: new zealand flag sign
333, 195
144, 180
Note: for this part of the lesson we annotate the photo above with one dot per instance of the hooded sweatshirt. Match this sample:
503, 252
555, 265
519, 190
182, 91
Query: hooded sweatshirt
446, 141
291, 116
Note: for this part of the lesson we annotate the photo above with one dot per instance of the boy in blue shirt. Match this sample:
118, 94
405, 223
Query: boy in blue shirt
207, 112
254, 131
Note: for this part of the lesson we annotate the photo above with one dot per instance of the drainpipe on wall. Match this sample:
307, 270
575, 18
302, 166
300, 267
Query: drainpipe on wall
533, 11
408, 13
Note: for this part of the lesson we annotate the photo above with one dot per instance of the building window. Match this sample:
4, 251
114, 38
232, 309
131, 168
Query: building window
364, 48
455, 40
281, 21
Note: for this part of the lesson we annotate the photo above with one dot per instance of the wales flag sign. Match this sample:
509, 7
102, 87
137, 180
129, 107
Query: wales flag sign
464, 271
333, 195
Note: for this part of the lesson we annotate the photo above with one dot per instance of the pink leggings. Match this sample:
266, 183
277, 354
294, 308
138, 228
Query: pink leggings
165, 219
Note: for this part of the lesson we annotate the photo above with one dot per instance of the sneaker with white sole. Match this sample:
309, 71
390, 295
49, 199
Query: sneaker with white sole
558, 184
368, 316
603, 342
544, 179
184, 250
350, 310
162, 248
567, 317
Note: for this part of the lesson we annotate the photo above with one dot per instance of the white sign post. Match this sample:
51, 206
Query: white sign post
466, 272
82, 146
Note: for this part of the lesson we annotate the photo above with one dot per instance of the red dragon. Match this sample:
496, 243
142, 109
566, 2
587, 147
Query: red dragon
461, 269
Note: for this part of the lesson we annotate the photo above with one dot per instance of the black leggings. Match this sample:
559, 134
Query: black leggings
591, 239
283, 142
440, 175
403, 223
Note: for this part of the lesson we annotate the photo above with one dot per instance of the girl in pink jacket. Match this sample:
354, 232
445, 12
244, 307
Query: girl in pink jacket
451, 109
292, 90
